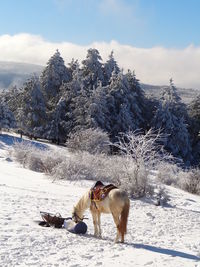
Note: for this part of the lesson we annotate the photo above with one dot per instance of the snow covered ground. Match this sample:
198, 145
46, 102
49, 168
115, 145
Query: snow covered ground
157, 236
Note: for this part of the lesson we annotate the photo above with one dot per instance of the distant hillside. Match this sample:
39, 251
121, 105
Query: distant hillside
12, 73
187, 95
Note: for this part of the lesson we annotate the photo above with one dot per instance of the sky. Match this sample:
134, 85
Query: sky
159, 39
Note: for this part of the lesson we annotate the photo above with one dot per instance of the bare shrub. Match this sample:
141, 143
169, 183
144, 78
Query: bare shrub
51, 159
143, 153
91, 140
114, 170
34, 162
80, 165
162, 198
130, 170
21, 151
73, 166
83, 165
35, 159
28, 155
167, 173
190, 181
70, 166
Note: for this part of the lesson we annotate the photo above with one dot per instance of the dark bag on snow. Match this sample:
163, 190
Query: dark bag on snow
76, 228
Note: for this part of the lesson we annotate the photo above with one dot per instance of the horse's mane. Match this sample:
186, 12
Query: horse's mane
83, 204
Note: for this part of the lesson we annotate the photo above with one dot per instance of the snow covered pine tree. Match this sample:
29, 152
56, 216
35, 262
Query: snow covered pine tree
169, 117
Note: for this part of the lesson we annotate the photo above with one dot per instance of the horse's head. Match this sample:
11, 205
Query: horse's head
83, 204
76, 217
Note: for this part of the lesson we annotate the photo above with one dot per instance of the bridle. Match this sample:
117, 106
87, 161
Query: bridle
76, 218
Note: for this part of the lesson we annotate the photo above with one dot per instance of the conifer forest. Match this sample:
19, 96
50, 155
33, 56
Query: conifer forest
69, 97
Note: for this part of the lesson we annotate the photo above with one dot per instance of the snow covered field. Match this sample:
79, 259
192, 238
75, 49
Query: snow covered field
157, 236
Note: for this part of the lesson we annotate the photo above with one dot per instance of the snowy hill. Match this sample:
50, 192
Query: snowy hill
157, 236
186, 94
12, 73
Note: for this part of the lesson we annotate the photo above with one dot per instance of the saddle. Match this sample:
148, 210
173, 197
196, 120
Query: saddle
100, 191
50, 219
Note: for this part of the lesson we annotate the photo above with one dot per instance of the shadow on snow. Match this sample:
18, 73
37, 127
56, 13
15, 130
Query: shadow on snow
169, 252
7, 140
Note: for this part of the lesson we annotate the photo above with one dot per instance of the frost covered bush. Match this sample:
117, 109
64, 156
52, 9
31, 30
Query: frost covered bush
190, 181
130, 170
21, 151
167, 173
29, 156
70, 166
76, 166
34, 162
142, 153
109, 169
115, 170
83, 165
35, 159
51, 160
91, 140
80, 165
162, 198
134, 179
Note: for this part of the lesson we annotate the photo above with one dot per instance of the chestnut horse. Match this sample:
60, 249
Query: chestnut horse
116, 202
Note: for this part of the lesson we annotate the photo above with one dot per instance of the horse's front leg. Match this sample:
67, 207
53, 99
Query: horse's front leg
99, 223
95, 218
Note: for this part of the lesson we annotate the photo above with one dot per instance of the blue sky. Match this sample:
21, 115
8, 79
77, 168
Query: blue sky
141, 23
159, 39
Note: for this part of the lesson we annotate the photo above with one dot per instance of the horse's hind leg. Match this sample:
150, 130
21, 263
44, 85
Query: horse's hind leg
122, 237
116, 220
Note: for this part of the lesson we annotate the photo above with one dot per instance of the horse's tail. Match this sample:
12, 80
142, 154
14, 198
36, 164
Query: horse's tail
124, 218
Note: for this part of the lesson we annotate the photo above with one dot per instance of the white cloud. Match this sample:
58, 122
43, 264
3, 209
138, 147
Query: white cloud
152, 65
